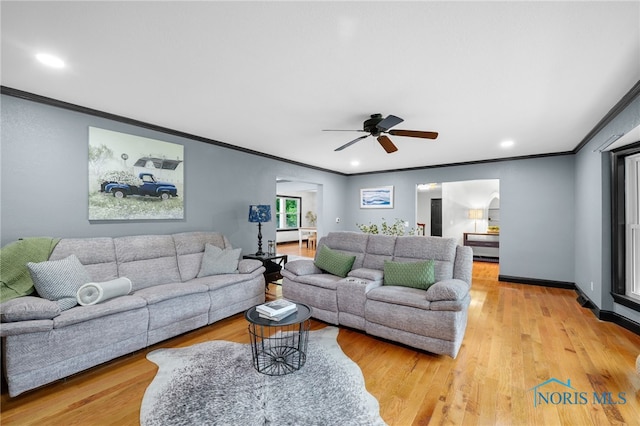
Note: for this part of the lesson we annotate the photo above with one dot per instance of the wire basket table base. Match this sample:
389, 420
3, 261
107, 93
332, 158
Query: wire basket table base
279, 348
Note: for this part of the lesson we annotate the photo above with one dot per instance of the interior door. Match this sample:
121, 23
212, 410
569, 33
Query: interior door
436, 217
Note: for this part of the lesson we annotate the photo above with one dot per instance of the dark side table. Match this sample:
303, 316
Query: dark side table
279, 347
273, 264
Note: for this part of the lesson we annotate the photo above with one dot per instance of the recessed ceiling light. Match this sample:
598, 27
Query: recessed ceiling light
355, 163
506, 144
50, 60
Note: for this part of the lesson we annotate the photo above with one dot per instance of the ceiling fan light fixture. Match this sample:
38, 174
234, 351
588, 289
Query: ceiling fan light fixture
377, 126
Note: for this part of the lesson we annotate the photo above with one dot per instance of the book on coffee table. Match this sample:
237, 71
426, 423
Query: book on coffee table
276, 308
278, 317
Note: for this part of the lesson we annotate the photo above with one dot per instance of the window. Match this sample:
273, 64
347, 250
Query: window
625, 233
632, 225
288, 210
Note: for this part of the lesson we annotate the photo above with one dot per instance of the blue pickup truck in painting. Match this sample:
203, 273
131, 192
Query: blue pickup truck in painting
149, 186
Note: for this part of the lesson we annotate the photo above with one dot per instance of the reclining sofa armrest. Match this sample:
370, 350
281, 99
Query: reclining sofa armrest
28, 308
299, 268
23, 327
451, 305
247, 266
452, 290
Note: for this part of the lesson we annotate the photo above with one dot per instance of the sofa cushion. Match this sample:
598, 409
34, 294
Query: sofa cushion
409, 274
351, 243
98, 255
367, 274
217, 261
215, 282
59, 280
347, 241
441, 250
379, 249
147, 260
334, 262
160, 293
81, 314
28, 308
302, 267
396, 295
328, 281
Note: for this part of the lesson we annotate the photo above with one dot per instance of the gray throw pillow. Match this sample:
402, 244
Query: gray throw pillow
216, 261
59, 280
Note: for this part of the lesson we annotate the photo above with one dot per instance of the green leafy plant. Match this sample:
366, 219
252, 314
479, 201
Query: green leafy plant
397, 228
312, 218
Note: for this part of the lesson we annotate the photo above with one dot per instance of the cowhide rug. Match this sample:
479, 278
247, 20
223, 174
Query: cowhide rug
214, 383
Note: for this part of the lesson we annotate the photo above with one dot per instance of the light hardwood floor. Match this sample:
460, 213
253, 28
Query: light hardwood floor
518, 336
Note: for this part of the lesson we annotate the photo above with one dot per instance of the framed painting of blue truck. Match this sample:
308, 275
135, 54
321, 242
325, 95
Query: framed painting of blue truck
134, 178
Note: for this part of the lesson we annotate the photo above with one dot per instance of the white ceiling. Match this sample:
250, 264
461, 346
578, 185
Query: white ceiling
269, 76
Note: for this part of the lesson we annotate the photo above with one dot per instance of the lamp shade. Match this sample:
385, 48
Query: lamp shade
475, 214
260, 213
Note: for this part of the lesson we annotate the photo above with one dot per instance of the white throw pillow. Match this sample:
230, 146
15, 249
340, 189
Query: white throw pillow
216, 261
59, 280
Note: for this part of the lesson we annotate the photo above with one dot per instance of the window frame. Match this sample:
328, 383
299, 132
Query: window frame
618, 226
283, 212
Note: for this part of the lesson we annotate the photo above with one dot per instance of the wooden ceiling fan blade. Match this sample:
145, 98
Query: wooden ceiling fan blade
348, 144
387, 144
389, 122
343, 130
414, 134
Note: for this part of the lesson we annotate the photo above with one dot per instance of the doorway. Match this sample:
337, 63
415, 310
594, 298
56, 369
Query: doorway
468, 211
429, 209
303, 212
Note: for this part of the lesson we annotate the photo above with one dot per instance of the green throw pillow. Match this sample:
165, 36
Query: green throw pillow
410, 274
334, 262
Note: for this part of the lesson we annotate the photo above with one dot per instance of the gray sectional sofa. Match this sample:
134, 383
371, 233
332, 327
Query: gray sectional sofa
433, 320
41, 343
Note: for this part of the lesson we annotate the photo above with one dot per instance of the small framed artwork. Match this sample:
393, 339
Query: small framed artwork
376, 198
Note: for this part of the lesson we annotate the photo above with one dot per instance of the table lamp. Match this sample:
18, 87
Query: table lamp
259, 213
475, 214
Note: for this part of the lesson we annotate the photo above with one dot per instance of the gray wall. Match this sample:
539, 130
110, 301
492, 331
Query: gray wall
554, 211
593, 215
536, 210
44, 153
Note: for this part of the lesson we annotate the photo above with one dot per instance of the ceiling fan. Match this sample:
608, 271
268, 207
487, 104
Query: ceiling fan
376, 126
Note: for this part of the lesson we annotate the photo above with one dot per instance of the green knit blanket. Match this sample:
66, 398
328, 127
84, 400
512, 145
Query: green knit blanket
15, 280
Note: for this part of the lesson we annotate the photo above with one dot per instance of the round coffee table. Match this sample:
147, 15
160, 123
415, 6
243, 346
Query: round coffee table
279, 347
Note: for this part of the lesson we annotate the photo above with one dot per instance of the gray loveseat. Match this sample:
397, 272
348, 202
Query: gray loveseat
41, 344
433, 320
